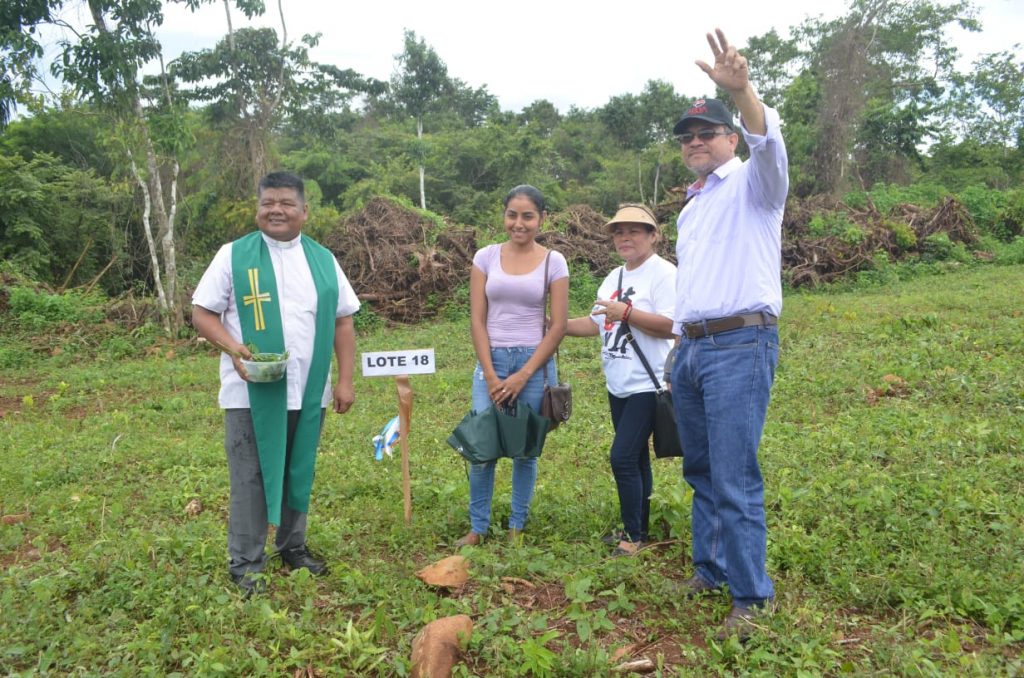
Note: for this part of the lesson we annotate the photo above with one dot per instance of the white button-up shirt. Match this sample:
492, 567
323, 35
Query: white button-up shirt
297, 292
729, 244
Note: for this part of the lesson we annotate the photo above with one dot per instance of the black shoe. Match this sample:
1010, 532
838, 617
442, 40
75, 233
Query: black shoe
741, 623
300, 557
695, 587
614, 537
250, 583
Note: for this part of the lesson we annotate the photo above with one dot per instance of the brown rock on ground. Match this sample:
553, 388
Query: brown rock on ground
438, 647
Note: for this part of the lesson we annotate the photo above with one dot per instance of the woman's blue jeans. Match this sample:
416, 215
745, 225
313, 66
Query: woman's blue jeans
633, 418
506, 361
721, 386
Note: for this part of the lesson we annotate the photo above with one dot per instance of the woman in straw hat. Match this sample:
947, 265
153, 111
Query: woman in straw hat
638, 296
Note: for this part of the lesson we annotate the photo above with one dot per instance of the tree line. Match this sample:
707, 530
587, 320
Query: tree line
125, 180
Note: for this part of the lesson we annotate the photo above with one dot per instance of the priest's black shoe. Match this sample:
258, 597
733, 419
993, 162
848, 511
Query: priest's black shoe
250, 583
300, 557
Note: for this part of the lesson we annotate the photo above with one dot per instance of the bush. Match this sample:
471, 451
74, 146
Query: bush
1011, 254
834, 224
35, 309
902, 232
583, 286
984, 205
938, 247
1010, 220
886, 197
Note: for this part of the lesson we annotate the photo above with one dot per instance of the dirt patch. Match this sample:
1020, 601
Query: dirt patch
26, 553
12, 402
530, 596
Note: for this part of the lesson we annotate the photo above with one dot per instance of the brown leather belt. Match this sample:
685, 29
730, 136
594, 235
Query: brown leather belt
734, 322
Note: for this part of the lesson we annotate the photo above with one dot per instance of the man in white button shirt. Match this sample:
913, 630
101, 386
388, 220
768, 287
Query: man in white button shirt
728, 299
276, 290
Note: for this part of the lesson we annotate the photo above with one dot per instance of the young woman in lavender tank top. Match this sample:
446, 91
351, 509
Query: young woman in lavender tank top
507, 312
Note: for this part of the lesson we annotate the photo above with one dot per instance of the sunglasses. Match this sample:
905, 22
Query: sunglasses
704, 135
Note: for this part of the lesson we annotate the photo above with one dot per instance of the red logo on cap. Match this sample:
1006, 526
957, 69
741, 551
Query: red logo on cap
698, 106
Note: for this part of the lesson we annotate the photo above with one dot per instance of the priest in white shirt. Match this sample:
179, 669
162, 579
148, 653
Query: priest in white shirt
276, 290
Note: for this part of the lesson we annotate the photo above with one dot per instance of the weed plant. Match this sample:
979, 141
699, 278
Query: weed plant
892, 462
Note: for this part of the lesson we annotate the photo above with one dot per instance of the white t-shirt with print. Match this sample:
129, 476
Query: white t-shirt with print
650, 287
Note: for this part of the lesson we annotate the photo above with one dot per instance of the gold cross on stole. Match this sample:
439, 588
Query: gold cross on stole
256, 298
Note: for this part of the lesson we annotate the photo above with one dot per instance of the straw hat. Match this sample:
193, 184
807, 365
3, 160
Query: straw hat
633, 213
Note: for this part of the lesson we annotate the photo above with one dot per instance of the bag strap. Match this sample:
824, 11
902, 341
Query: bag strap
543, 313
636, 347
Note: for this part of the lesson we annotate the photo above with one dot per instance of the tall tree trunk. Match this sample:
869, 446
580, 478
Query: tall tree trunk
162, 215
419, 135
231, 32
657, 176
147, 230
846, 69
170, 253
640, 175
153, 197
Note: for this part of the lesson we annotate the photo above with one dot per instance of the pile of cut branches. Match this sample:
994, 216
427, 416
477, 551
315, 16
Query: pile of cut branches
578, 233
396, 260
813, 258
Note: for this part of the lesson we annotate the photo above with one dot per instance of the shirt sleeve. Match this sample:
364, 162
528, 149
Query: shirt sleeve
770, 162
482, 259
663, 291
558, 268
605, 291
216, 287
348, 302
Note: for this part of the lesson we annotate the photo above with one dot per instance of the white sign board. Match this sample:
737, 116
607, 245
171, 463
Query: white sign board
396, 363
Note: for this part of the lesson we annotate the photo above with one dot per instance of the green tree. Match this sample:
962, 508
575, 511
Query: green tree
875, 78
102, 63
252, 82
990, 99
420, 82
19, 49
59, 224
642, 122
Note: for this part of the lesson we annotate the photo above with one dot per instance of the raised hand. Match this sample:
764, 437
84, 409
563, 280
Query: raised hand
730, 69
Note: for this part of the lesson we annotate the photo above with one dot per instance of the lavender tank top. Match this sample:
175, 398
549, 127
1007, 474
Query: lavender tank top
515, 303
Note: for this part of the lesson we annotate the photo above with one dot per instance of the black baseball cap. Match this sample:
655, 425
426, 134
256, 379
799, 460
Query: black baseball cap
707, 110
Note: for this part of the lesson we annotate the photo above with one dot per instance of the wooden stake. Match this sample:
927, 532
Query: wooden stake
404, 419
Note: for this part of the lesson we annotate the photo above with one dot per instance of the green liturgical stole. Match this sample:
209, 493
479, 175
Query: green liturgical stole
259, 310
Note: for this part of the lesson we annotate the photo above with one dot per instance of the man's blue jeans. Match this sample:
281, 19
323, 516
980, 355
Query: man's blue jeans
506, 361
720, 386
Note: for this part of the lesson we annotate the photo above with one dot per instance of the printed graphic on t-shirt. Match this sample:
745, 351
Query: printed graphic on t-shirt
615, 343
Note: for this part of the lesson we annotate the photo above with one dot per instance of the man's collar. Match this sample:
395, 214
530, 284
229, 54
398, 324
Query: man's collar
728, 168
721, 173
281, 244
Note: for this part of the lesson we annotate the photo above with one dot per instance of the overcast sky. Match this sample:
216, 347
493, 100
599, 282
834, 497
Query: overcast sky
565, 51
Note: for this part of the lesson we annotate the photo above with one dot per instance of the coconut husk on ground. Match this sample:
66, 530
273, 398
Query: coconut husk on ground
450, 572
438, 647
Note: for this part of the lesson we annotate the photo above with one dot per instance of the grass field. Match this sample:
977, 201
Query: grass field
895, 496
